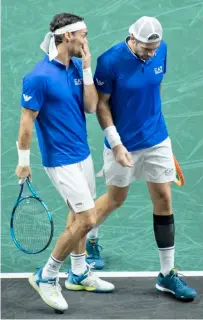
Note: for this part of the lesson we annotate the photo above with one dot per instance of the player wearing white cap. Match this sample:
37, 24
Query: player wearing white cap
137, 146
56, 95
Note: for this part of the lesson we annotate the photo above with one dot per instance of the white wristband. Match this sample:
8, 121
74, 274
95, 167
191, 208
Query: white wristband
23, 157
112, 136
87, 76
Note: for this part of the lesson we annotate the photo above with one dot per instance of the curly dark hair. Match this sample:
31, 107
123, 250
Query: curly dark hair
60, 20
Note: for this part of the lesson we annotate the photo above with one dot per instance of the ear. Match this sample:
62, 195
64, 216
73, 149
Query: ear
68, 36
132, 38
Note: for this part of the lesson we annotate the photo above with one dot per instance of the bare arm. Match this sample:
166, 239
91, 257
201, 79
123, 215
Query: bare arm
103, 111
23, 169
90, 98
104, 116
25, 130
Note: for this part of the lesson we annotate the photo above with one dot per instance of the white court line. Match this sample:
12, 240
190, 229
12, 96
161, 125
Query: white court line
124, 274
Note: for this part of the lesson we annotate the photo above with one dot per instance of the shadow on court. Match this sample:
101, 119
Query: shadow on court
134, 298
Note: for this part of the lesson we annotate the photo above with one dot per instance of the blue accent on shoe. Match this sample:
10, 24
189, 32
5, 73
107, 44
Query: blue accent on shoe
75, 279
39, 280
174, 284
93, 250
87, 281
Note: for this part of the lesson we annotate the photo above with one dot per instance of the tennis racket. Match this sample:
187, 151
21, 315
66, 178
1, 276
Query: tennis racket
180, 181
31, 223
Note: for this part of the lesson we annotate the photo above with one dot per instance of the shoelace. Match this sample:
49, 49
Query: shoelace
90, 267
55, 284
89, 271
179, 282
96, 249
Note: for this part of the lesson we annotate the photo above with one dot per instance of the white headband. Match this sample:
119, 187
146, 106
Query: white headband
48, 45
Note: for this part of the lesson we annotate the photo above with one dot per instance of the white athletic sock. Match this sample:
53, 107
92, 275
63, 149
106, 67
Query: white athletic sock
51, 268
166, 256
78, 263
93, 234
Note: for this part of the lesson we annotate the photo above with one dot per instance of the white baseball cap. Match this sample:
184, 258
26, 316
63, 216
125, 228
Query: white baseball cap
147, 30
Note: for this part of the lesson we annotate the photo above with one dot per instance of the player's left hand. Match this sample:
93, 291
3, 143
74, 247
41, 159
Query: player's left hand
86, 56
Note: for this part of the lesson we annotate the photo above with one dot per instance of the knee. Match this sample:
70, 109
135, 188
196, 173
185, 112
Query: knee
87, 224
116, 201
163, 203
164, 197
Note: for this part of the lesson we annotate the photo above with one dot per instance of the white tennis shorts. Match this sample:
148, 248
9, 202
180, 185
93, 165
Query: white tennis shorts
75, 183
153, 164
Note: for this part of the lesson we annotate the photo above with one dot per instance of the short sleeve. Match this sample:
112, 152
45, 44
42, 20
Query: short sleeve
33, 92
103, 77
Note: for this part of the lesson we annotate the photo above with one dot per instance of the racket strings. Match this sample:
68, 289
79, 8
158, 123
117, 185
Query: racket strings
31, 224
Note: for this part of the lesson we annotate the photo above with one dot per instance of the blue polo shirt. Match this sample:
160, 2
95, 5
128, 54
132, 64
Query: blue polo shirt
134, 88
57, 93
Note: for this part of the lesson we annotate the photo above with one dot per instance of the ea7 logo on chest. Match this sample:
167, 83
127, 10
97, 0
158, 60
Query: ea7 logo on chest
78, 81
158, 70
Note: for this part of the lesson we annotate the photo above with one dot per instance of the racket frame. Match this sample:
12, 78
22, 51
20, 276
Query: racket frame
180, 180
18, 201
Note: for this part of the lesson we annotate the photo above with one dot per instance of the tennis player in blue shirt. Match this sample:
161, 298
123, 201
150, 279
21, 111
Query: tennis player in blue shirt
137, 146
56, 94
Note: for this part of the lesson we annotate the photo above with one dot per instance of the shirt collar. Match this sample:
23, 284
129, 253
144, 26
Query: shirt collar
61, 64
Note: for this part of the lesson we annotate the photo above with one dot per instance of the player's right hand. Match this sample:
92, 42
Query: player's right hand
122, 156
23, 172
86, 56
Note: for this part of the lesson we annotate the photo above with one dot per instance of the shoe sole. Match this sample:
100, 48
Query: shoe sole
37, 288
77, 287
160, 288
164, 289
